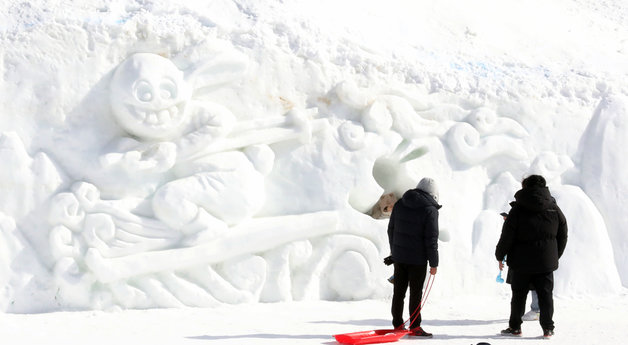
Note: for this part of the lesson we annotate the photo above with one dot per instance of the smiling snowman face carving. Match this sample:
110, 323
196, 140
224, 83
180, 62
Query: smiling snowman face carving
149, 95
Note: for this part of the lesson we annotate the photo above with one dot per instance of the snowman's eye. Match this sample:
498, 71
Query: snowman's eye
144, 91
168, 89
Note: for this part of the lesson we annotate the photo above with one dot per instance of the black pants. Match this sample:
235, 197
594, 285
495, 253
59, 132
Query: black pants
543, 283
414, 276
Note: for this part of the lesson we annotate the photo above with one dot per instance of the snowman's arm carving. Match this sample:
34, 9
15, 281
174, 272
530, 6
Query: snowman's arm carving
136, 157
210, 123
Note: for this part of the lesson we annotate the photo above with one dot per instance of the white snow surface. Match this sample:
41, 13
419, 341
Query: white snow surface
454, 320
189, 171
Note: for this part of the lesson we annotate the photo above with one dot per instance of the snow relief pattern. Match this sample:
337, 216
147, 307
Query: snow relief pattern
194, 204
177, 226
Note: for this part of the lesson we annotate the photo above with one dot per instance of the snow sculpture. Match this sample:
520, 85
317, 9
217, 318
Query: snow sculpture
175, 223
500, 192
484, 139
149, 96
216, 184
360, 149
484, 135
27, 184
487, 228
396, 120
9, 250
28, 181
487, 225
405, 119
601, 167
487, 122
136, 262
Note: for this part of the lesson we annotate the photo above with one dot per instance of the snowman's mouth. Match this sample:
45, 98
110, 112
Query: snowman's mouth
161, 118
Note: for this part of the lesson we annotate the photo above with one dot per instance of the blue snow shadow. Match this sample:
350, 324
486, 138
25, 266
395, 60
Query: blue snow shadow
465, 322
325, 338
366, 322
262, 336
375, 324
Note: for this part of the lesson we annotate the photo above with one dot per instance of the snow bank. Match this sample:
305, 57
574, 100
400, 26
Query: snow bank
164, 155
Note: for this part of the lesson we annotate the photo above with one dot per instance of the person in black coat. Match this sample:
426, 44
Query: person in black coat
413, 238
533, 238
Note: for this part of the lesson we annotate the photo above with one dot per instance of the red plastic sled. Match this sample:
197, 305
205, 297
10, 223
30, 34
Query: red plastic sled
385, 335
371, 337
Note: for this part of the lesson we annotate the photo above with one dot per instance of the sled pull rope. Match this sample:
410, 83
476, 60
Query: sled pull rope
426, 293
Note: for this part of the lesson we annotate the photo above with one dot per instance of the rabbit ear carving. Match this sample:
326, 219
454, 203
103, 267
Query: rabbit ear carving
212, 73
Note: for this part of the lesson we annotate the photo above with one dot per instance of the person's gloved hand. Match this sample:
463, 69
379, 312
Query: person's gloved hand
388, 260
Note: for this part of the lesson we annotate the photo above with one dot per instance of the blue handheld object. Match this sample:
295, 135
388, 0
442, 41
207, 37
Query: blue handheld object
499, 278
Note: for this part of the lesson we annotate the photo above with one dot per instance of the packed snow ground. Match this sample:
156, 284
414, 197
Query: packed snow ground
453, 321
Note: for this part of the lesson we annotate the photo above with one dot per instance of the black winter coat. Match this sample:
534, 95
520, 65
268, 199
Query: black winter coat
413, 229
534, 234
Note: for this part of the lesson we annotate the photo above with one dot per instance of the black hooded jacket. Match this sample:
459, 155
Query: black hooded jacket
534, 234
413, 229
